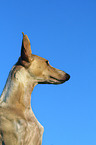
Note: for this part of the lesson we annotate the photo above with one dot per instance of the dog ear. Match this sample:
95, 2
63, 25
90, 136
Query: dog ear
26, 49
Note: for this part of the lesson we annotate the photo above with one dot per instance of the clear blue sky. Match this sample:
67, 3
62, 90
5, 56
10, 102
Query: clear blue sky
64, 32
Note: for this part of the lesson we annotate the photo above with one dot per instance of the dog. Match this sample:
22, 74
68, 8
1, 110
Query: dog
18, 124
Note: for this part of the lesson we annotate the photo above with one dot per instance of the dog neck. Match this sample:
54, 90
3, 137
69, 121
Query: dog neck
18, 89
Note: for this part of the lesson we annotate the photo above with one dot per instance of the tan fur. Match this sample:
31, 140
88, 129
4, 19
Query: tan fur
18, 124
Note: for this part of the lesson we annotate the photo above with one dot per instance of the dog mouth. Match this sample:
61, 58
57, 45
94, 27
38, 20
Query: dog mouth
59, 81
53, 80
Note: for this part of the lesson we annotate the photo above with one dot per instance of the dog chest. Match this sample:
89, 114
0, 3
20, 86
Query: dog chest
21, 131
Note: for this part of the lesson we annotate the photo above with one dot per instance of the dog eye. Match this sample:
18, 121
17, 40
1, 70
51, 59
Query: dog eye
47, 62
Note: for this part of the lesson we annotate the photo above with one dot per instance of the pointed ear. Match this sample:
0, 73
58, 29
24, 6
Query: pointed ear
26, 49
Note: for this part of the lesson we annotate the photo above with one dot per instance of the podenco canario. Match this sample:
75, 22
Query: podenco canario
18, 124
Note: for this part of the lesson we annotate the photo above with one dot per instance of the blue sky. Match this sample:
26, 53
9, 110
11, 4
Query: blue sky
64, 32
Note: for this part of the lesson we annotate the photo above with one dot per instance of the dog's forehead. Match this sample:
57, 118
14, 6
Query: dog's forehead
38, 58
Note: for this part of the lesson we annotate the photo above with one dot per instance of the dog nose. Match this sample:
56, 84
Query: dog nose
67, 77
